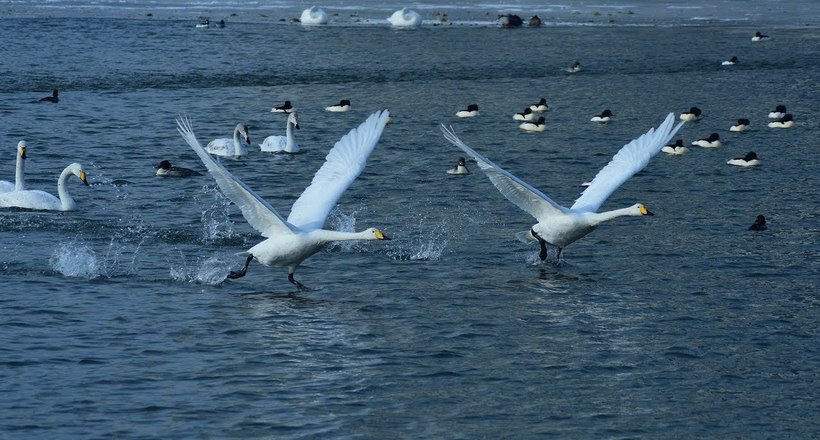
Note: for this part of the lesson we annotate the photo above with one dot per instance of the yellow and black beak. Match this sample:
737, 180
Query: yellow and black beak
84, 178
23, 152
645, 211
380, 235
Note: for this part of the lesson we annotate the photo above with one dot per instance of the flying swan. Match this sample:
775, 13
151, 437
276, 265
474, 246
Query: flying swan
289, 242
559, 226
19, 179
36, 199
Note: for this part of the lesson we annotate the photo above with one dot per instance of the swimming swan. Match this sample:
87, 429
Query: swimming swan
19, 179
36, 199
560, 226
405, 18
289, 242
313, 16
286, 144
231, 147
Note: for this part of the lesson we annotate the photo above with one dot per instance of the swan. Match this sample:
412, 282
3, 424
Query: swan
693, 114
287, 107
759, 224
675, 149
749, 160
526, 115
36, 199
778, 112
471, 111
19, 179
730, 62
55, 97
460, 169
289, 242
166, 169
713, 141
759, 37
742, 125
231, 147
541, 106
405, 18
286, 144
539, 125
559, 226
604, 117
342, 106
313, 16
786, 121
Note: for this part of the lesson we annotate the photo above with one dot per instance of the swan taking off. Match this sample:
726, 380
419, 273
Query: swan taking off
283, 144
19, 178
559, 226
405, 18
313, 16
289, 242
231, 147
36, 199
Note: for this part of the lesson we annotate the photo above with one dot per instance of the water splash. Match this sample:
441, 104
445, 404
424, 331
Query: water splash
75, 260
216, 222
211, 271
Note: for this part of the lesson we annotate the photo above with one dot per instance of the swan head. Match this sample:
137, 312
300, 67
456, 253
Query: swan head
294, 120
22, 149
243, 130
641, 209
374, 234
77, 170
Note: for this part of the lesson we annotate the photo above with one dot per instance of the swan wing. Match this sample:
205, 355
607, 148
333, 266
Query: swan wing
345, 161
631, 158
258, 213
529, 199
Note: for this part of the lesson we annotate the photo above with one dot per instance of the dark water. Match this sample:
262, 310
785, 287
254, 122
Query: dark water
117, 321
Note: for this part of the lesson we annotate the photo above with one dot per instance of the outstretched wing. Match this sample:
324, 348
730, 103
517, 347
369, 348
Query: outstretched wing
531, 200
345, 161
259, 214
632, 158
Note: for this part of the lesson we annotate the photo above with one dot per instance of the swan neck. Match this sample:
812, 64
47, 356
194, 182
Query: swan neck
327, 235
19, 182
289, 134
66, 200
609, 215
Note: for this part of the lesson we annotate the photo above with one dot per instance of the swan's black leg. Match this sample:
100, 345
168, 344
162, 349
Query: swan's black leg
298, 285
558, 256
241, 273
543, 254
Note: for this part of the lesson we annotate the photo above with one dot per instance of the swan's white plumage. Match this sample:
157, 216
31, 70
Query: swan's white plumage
41, 200
19, 171
287, 143
405, 18
313, 16
231, 147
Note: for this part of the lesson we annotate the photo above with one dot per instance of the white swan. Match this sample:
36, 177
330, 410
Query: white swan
560, 226
289, 242
405, 18
313, 16
19, 178
231, 147
36, 199
286, 144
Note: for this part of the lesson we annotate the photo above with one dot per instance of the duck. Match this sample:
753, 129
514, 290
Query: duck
742, 125
405, 18
557, 225
749, 160
526, 115
342, 106
541, 106
539, 125
778, 112
730, 62
604, 117
534, 21
759, 37
313, 16
510, 21
470, 112
19, 177
713, 141
460, 169
283, 144
166, 169
41, 200
675, 149
787, 121
55, 97
204, 23
287, 107
231, 147
575, 67
693, 114
289, 242
759, 224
